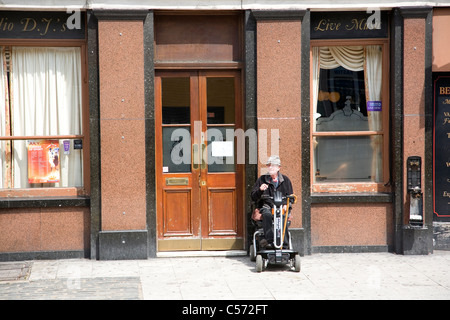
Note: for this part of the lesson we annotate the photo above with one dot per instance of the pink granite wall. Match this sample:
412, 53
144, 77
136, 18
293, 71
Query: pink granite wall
279, 96
122, 125
44, 229
413, 98
351, 224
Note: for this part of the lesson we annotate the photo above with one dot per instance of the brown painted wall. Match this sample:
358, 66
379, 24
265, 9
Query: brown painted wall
441, 45
122, 125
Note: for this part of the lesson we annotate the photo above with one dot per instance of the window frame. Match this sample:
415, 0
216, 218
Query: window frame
46, 192
354, 187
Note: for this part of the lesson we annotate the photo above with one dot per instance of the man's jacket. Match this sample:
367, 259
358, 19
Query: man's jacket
284, 185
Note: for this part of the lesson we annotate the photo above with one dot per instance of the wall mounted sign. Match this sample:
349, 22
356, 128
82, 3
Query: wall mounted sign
66, 144
374, 106
441, 148
43, 161
42, 25
78, 144
222, 148
349, 25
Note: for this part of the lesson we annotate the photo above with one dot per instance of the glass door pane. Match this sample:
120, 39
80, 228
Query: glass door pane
176, 149
175, 101
220, 97
176, 120
221, 149
221, 100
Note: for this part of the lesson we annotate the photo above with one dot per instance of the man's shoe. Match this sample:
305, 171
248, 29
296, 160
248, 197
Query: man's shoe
263, 243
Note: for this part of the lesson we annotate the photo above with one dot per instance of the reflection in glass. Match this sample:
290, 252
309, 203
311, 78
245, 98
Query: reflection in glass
176, 149
175, 101
221, 100
336, 85
347, 159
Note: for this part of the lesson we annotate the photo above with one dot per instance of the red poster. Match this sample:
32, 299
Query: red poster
43, 161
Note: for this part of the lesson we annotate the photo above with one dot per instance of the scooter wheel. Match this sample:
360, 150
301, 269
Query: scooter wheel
259, 263
297, 263
252, 253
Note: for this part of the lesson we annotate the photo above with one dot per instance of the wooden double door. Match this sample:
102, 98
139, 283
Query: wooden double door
199, 180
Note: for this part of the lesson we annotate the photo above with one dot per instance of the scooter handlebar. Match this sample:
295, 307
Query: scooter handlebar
292, 198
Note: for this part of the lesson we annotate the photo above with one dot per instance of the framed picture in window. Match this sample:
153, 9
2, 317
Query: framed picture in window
43, 161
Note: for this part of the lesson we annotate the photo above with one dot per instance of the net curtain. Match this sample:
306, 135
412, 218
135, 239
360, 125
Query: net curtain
354, 58
45, 99
3, 109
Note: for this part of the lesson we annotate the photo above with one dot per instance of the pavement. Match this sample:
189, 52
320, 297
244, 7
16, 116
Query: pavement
340, 276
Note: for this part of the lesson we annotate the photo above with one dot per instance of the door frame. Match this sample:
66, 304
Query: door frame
199, 240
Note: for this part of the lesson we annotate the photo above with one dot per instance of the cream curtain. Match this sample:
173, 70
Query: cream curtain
349, 57
373, 74
315, 83
373, 77
315, 88
46, 100
3, 105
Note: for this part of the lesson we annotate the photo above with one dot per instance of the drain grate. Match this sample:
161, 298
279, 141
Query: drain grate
14, 271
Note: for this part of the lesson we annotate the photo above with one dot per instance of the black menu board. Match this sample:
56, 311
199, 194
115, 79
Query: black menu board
441, 147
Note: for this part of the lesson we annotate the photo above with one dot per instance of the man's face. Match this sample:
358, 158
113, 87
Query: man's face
273, 169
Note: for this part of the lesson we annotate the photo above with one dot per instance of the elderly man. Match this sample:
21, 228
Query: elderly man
267, 184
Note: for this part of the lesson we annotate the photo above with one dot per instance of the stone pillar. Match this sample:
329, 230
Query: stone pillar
122, 164
279, 88
417, 122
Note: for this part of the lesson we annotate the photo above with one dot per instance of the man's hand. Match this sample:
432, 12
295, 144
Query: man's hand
290, 216
263, 187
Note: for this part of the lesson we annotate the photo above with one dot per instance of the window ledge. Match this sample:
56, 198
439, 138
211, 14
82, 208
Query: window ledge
48, 202
365, 197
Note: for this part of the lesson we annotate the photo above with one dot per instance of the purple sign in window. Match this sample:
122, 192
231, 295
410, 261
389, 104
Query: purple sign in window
66, 146
373, 105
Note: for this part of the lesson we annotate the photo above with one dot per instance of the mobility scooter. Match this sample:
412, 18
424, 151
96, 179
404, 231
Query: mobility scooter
276, 253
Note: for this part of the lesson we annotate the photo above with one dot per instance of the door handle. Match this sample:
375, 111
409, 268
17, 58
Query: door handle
203, 156
195, 159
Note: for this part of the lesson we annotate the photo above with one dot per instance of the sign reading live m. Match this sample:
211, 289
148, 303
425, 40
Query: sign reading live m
42, 25
349, 25
441, 148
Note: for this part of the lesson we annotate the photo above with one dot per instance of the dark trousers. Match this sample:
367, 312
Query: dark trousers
267, 224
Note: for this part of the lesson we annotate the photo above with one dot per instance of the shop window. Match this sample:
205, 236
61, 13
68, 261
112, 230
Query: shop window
41, 125
348, 109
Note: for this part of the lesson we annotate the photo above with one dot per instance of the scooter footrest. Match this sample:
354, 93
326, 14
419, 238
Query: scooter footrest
278, 256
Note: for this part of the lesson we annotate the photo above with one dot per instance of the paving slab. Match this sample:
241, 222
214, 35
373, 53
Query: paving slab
341, 276
14, 271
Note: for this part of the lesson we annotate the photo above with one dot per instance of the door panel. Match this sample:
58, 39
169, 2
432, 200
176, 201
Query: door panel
222, 212
199, 183
177, 212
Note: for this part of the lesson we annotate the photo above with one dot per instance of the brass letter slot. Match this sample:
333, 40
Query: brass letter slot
177, 181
